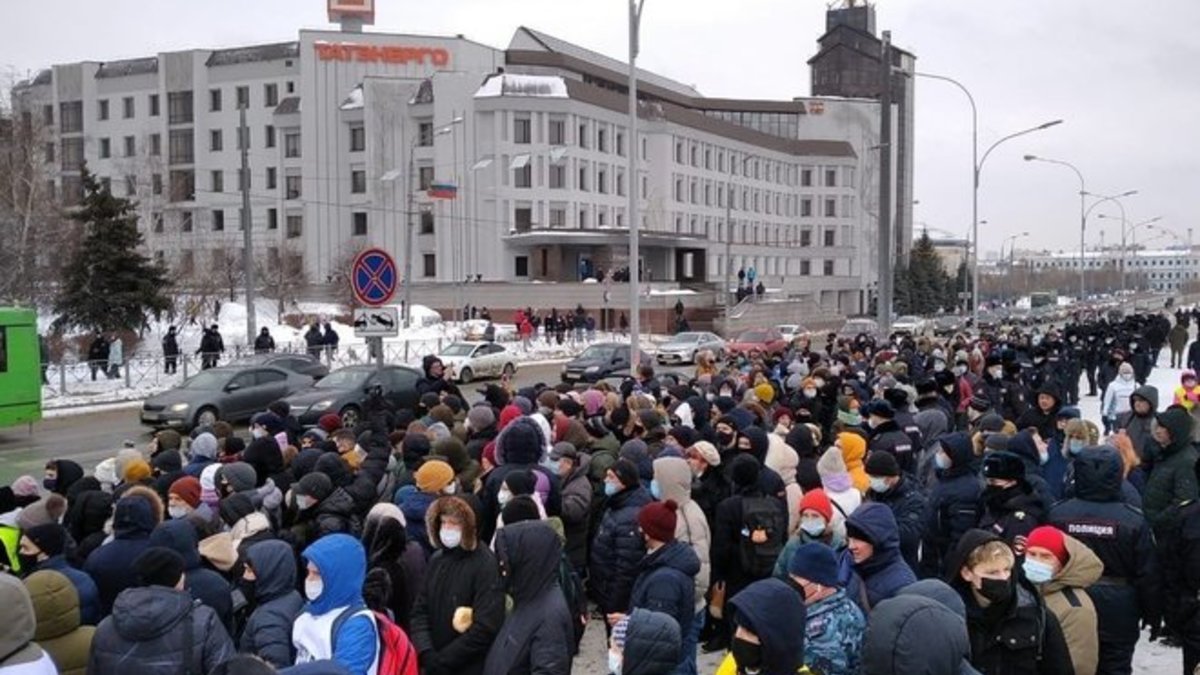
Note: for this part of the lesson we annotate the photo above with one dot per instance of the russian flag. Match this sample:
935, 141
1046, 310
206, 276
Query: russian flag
442, 191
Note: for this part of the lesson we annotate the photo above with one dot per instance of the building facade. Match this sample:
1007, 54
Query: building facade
1147, 269
488, 164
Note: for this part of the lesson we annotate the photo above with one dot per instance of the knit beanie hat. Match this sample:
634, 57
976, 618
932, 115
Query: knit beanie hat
240, 476
744, 470
329, 422
481, 417
816, 563
1049, 538
657, 520
187, 489
707, 451
1003, 465
626, 472
204, 445
50, 538
48, 509
168, 439
159, 566
167, 461
882, 463
316, 485
433, 476
817, 500
508, 414
832, 469
136, 471
520, 509
26, 486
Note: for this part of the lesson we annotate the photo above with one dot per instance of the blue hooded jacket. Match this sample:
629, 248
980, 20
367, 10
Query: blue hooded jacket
772, 610
202, 583
342, 563
108, 565
885, 572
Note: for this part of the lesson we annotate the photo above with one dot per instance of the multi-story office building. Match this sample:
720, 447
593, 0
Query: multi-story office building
356, 139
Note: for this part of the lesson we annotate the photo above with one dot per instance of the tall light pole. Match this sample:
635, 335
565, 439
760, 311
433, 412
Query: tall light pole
635, 271
455, 268
976, 168
1116, 199
1128, 230
1082, 218
1012, 241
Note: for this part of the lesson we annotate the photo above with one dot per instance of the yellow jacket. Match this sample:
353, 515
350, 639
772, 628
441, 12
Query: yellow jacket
729, 667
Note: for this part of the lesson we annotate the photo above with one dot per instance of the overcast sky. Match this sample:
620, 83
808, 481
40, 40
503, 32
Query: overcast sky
1121, 74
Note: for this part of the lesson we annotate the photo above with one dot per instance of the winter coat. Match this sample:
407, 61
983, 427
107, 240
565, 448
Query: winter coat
652, 644
1067, 597
616, 550
1012, 512
268, 629
953, 505
908, 506
205, 585
709, 490
414, 504
1119, 535
1116, 398
576, 512
56, 605
537, 636
691, 527
109, 565
389, 549
833, 635
772, 610
889, 437
885, 572
519, 459
1172, 479
147, 634
898, 638
666, 582
464, 576
19, 654
1136, 426
1180, 546
335, 625
89, 596
783, 460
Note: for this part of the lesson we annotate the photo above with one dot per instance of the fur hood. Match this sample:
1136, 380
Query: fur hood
456, 507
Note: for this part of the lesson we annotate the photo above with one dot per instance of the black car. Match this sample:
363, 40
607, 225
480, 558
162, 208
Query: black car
345, 391
297, 363
601, 360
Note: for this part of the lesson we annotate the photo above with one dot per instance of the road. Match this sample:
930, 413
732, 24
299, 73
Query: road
92, 437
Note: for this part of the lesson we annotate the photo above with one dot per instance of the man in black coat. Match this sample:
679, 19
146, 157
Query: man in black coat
900, 494
98, 355
887, 436
1180, 548
1120, 536
170, 347
953, 505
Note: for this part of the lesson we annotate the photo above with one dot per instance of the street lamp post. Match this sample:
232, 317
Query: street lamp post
1116, 199
635, 276
1131, 233
729, 231
1011, 240
455, 259
976, 168
1082, 218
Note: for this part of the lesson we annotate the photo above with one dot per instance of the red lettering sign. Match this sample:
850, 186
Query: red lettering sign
396, 54
363, 10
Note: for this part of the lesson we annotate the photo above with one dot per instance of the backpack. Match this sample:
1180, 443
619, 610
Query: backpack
764, 532
395, 655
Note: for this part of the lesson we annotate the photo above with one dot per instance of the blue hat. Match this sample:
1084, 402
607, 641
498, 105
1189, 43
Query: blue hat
816, 563
880, 408
1069, 412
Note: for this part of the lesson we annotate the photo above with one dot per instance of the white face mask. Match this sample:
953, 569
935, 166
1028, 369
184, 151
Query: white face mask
450, 489
450, 538
258, 432
313, 588
996, 372
177, 511
304, 502
960, 370
503, 496
879, 485
810, 393
813, 526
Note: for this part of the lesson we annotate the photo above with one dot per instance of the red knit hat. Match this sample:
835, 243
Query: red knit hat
780, 412
329, 423
818, 501
187, 489
657, 520
507, 415
1051, 539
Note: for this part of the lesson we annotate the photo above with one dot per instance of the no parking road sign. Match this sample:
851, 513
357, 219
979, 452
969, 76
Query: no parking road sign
373, 277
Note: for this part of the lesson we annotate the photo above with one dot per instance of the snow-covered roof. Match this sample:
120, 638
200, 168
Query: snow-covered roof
354, 101
533, 86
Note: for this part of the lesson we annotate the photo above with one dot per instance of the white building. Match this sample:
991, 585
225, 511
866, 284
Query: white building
1158, 270
348, 131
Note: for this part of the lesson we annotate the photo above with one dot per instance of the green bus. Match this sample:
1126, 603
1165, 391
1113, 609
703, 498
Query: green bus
20, 368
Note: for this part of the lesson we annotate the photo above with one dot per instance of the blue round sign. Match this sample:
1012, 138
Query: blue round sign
374, 277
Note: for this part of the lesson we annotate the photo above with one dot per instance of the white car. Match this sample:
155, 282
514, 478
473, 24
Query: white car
791, 331
467, 361
684, 347
913, 325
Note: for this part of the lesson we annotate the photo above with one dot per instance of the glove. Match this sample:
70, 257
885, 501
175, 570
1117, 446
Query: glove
1154, 626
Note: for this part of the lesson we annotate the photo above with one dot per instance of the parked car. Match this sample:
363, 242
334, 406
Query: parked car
855, 327
473, 330
683, 347
297, 363
791, 331
601, 360
468, 361
762, 340
230, 393
910, 324
947, 325
345, 391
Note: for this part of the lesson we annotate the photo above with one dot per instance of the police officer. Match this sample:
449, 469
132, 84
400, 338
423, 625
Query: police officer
1119, 535
1180, 555
1011, 506
887, 436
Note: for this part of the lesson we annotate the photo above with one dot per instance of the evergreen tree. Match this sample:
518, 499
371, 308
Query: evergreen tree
927, 287
109, 284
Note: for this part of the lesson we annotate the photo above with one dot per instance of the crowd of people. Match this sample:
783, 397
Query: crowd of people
867, 505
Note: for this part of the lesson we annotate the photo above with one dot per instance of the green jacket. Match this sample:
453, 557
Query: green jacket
1173, 478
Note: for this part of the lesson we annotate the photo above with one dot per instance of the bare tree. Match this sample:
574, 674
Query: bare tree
282, 275
340, 277
227, 272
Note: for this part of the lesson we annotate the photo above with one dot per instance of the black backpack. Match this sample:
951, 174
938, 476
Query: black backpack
763, 535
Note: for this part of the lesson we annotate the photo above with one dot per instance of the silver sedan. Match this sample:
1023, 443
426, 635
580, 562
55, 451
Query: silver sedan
684, 347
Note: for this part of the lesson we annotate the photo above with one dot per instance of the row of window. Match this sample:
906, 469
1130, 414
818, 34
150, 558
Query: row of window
761, 201
219, 258
703, 155
776, 265
588, 177
128, 104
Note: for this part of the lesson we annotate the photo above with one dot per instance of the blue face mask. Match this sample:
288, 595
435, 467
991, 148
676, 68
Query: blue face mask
1075, 446
655, 490
1036, 571
942, 461
610, 489
1043, 457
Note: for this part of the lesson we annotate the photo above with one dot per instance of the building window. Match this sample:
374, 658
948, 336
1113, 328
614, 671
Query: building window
523, 177
272, 178
180, 147
558, 132
602, 182
425, 134
602, 140
243, 97
620, 145
103, 106
127, 107
183, 186
521, 266
157, 219
583, 183
358, 181
291, 145
828, 268
48, 115
214, 100
272, 219
583, 218
558, 217
523, 219
806, 177
70, 117
358, 139
185, 222
830, 177
830, 237
156, 184
270, 95
218, 220
558, 176
179, 107
269, 136
621, 184
805, 238
805, 268
426, 226
130, 146
583, 135
830, 207
679, 152
806, 208
218, 181
291, 87
295, 226
429, 265
216, 140
292, 187
424, 178
360, 224
105, 148
522, 131
154, 105
156, 145
130, 186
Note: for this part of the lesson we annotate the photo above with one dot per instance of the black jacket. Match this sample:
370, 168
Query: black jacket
205, 585
146, 634
1012, 512
889, 437
652, 644
1180, 548
953, 505
666, 582
616, 550
907, 503
268, 630
1120, 536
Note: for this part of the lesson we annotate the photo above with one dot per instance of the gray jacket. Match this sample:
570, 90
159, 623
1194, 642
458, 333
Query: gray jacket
147, 634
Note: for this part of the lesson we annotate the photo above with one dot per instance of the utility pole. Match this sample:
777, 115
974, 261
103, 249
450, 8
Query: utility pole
408, 234
886, 245
247, 239
635, 271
